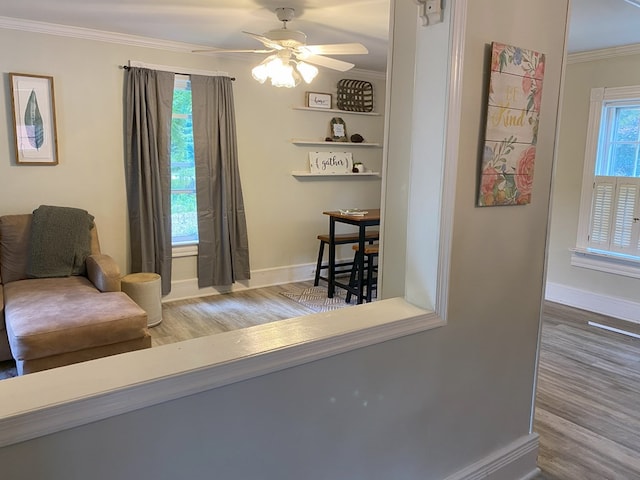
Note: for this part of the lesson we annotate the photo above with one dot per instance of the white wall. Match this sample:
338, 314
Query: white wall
284, 214
569, 284
439, 404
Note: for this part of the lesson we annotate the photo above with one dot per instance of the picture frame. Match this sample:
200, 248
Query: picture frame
34, 119
338, 130
319, 100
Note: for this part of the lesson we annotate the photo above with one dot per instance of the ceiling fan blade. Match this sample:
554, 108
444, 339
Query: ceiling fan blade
230, 50
328, 62
267, 42
336, 49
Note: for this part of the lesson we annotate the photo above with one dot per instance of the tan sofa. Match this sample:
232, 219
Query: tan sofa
51, 322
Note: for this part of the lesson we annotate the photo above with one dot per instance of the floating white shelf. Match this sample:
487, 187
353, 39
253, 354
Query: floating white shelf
300, 141
334, 110
303, 173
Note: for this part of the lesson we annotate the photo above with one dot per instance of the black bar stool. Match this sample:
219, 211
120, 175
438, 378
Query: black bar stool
341, 239
370, 266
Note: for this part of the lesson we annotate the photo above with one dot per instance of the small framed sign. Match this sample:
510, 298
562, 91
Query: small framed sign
318, 100
338, 130
330, 163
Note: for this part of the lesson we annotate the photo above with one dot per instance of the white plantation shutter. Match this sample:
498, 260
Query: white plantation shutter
601, 209
625, 230
614, 215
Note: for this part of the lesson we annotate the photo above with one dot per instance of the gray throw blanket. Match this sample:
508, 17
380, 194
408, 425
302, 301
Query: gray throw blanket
60, 242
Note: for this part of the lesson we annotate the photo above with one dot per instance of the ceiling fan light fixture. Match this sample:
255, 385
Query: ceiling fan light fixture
285, 76
283, 71
307, 71
260, 72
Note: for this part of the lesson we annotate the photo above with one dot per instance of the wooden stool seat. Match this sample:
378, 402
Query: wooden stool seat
340, 239
344, 238
368, 249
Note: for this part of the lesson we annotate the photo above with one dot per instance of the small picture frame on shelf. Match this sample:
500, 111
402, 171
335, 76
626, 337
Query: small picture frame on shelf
338, 130
319, 100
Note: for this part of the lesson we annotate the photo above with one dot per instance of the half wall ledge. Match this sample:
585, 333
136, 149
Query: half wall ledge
55, 400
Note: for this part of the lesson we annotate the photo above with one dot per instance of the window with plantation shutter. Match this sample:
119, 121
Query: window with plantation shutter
609, 222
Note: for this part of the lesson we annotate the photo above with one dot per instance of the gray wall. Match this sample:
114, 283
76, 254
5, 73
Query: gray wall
420, 407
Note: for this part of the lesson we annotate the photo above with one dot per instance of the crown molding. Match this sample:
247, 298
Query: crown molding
603, 53
122, 38
97, 35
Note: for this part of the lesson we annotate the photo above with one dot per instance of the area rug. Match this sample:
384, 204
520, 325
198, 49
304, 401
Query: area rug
315, 298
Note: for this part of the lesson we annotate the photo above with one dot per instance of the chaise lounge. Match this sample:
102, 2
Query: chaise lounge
61, 319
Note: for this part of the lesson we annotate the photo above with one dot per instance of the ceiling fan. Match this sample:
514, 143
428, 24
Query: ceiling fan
289, 51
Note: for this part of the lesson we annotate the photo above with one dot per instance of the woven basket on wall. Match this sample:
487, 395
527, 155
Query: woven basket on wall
354, 96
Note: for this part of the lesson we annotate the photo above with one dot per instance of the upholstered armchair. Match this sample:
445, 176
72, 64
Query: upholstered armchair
57, 320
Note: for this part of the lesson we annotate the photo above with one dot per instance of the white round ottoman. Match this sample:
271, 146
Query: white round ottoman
145, 290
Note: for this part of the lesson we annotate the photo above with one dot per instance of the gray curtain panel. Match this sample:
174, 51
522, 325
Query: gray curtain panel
148, 106
223, 247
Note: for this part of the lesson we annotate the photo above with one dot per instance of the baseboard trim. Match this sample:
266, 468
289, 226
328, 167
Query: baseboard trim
184, 289
593, 302
515, 461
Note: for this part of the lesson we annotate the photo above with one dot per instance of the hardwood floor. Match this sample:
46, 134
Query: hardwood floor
587, 410
199, 317
588, 399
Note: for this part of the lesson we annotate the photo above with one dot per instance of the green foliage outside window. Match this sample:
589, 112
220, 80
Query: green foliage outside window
184, 224
620, 153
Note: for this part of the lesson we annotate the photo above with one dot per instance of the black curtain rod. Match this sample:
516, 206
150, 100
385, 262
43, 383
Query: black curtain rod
127, 67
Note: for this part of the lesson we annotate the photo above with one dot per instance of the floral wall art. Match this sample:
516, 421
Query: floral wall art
515, 94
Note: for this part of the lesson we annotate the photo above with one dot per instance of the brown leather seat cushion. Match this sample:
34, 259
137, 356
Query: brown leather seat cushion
50, 316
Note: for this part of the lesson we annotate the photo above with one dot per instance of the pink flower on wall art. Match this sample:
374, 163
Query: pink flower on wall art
515, 94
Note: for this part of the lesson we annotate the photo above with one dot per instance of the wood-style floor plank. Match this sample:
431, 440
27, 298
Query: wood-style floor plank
587, 399
198, 317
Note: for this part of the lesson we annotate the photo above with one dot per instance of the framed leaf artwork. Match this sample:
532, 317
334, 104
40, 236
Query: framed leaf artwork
511, 134
34, 119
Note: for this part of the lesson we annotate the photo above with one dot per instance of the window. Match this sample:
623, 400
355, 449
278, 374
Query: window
184, 212
609, 223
